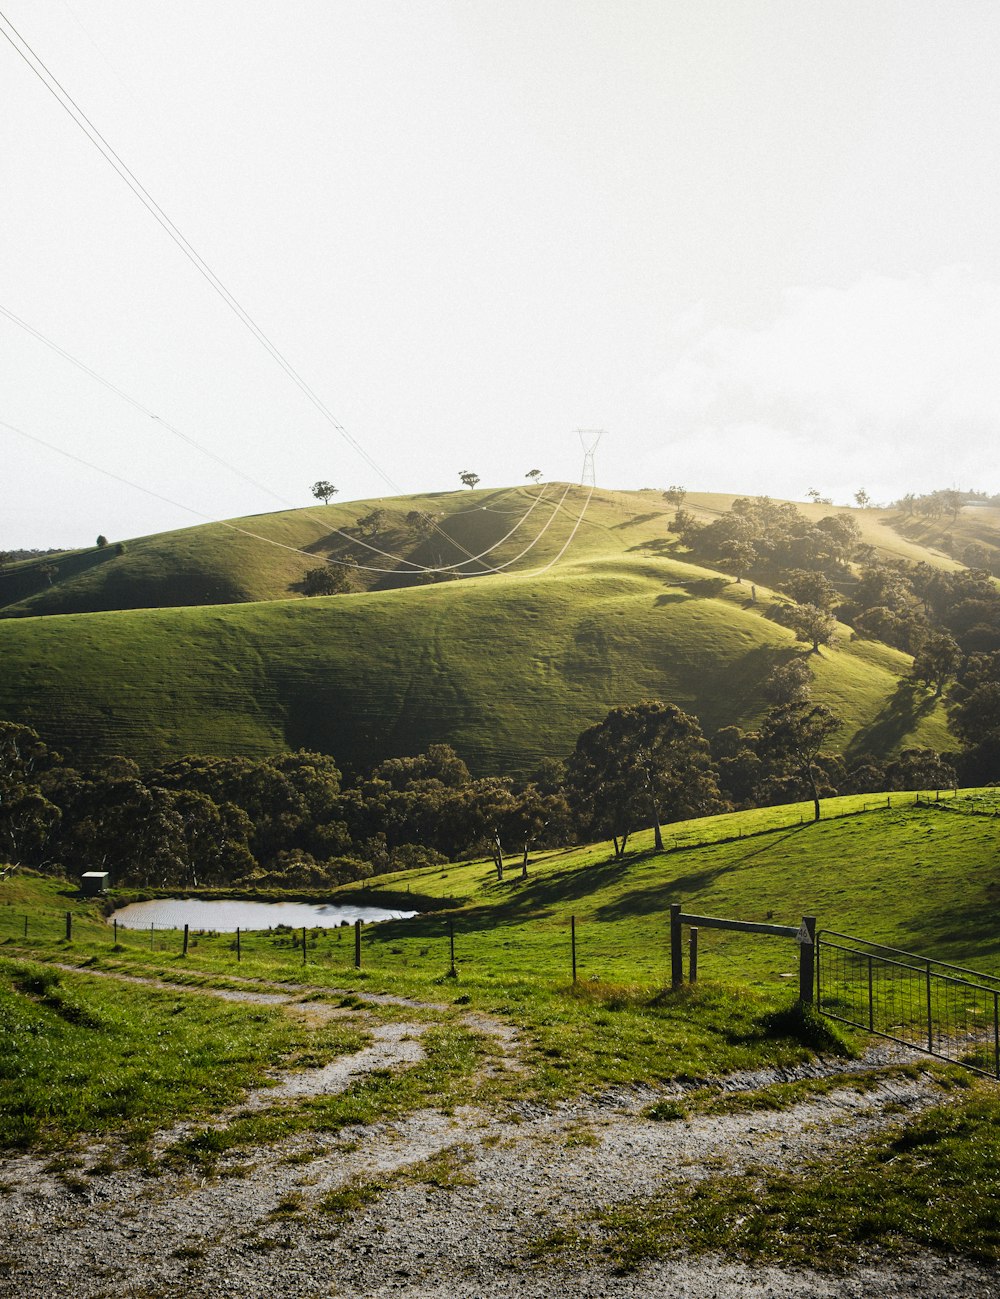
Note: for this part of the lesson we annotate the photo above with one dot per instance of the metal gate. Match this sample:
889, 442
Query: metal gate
945, 1010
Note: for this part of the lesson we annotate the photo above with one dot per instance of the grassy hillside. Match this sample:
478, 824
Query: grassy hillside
972, 536
507, 668
924, 879
265, 556
887, 871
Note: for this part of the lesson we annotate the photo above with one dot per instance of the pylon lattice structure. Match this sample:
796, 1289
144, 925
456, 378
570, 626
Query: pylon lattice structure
589, 438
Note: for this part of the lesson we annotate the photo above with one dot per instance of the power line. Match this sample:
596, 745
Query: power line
139, 406
76, 113
256, 536
51, 83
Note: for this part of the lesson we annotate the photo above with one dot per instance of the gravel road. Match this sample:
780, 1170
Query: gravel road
459, 1227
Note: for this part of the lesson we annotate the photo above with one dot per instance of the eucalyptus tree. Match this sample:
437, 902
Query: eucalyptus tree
642, 765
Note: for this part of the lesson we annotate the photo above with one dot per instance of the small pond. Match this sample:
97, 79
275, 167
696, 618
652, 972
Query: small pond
226, 915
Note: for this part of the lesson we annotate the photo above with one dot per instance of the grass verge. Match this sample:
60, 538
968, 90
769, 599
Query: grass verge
933, 1183
83, 1058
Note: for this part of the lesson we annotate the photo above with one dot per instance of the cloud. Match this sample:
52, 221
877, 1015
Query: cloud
893, 384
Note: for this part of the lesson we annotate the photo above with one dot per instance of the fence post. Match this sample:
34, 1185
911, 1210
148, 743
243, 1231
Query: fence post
819, 976
930, 1021
185, 940
807, 959
452, 972
996, 1034
572, 944
693, 955
871, 998
303, 944
152, 927
239, 955
357, 944
676, 955
26, 926
115, 923
69, 925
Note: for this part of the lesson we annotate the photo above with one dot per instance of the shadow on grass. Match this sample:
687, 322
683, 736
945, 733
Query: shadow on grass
658, 545
706, 587
515, 900
910, 703
638, 518
952, 935
658, 898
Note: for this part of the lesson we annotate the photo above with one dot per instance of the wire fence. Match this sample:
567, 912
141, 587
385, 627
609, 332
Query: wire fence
565, 949
948, 1011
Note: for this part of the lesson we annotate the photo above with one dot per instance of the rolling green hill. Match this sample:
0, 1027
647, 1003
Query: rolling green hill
264, 557
508, 667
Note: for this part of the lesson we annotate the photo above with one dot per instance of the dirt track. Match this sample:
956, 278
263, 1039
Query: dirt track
463, 1225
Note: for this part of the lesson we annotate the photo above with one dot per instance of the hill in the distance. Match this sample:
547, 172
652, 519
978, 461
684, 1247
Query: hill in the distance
508, 667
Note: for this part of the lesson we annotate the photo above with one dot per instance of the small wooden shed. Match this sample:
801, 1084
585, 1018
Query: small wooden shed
93, 883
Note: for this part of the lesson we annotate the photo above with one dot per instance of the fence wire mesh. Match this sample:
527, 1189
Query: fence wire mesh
945, 1010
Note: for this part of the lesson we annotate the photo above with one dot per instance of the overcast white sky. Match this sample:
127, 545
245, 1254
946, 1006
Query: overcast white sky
756, 240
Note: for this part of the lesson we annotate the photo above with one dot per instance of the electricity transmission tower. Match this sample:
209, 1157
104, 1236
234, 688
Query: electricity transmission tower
589, 438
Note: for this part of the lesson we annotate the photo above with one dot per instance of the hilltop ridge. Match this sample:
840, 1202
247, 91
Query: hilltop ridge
508, 667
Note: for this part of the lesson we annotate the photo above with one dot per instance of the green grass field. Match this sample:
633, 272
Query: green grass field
507, 668
918, 877
924, 879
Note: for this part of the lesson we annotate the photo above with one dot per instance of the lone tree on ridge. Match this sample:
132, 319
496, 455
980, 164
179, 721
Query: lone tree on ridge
323, 490
469, 478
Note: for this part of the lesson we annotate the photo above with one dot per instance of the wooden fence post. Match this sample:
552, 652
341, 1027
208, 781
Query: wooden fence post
185, 940
572, 944
303, 944
69, 926
676, 955
357, 944
807, 961
452, 972
239, 955
693, 955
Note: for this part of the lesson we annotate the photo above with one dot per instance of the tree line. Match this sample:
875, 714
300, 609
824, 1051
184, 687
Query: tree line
293, 821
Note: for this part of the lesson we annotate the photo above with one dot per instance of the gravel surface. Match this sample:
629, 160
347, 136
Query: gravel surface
459, 1228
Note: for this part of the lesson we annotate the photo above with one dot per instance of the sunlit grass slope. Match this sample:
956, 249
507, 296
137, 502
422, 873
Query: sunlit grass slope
507, 668
265, 556
922, 878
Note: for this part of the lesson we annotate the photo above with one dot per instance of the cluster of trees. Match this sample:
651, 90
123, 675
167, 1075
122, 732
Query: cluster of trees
292, 821
14, 556
770, 537
944, 503
948, 622
287, 821
650, 763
